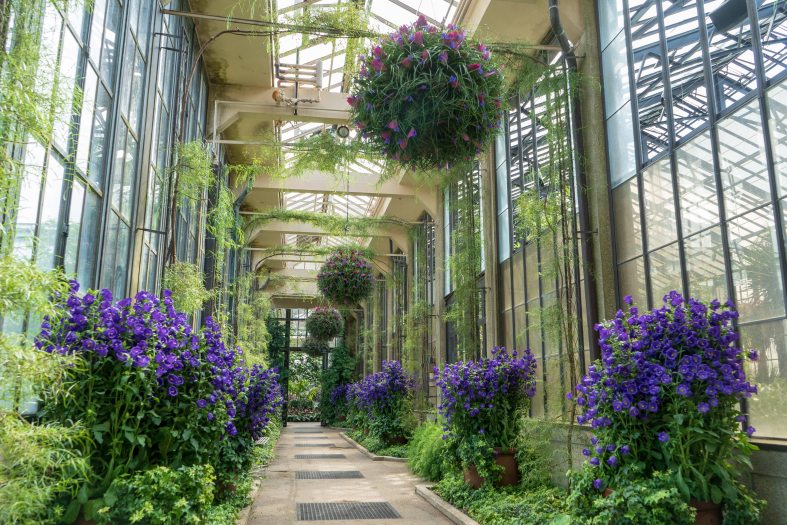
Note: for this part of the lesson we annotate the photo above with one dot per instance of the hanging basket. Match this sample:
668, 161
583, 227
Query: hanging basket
325, 323
314, 347
346, 277
427, 98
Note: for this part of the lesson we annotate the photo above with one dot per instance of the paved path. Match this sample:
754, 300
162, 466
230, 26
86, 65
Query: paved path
282, 497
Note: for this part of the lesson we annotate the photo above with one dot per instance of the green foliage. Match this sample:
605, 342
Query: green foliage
507, 506
194, 170
187, 285
253, 310
329, 223
223, 226
325, 323
535, 454
41, 467
347, 19
340, 371
377, 445
427, 452
655, 501
465, 266
159, 495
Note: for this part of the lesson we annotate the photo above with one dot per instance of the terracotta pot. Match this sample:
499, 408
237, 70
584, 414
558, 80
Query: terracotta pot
341, 418
509, 476
708, 513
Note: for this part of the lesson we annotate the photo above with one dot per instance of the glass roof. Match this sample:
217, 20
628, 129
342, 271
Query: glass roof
384, 16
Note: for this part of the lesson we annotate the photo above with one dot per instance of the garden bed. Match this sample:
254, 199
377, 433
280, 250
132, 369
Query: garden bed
455, 515
371, 455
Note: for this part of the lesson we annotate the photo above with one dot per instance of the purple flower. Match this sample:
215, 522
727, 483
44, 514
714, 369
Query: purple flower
663, 437
172, 391
612, 461
703, 408
598, 484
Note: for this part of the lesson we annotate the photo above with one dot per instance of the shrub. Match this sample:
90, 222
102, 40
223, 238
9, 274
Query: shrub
150, 390
335, 379
386, 397
159, 495
324, 324
426, 452
665, 397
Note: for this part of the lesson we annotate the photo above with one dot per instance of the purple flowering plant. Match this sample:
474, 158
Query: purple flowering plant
481, 402
426, 97
152, 390
346, 277
325, 323
383, 402
665, 397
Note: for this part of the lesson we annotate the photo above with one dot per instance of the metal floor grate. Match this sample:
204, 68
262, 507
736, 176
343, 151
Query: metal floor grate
306, 431
354, 510
328, 474
320, 456
329, 445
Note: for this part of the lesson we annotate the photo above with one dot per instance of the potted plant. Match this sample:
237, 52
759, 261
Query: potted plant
325, 323
481, 403
665, 398
346, 277
386, 398
427, 98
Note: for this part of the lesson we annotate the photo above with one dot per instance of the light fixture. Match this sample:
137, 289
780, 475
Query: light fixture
729, 15
343, 132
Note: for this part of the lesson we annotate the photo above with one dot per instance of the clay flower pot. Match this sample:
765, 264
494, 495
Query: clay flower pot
509, 476
708, 513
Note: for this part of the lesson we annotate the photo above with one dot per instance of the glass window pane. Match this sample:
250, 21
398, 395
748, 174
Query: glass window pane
767, 410
610, 19
88, 241
616, 75
773, 28
628, 228
632, 281
659, 204
620, 135
100, 136
687, 75
742, 156
698, 202
74, 227
50, 213
777, 110
665, 272
29, 195
69, 59
129, 170
109, 53
755, 266
732, 60
705, 265
86, 120
99, 9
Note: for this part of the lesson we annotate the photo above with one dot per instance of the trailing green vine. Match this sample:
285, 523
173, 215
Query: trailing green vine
328, 223
187, 285
253, 308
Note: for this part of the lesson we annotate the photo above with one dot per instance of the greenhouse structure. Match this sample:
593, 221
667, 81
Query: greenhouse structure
471, 261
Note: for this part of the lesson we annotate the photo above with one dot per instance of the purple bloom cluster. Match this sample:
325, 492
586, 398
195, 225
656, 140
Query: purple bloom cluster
338, 395
382, 389
480, 397
346, 277
324, 323
147, 334
420, 96
663, 374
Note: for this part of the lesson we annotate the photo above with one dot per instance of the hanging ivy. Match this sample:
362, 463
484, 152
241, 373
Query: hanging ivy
326, 222
253, 308
187, 285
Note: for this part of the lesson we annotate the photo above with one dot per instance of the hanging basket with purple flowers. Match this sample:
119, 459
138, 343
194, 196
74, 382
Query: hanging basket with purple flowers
346, 277
323, 324
427, 98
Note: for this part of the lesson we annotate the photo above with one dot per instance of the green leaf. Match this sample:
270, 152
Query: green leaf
682, 487
715, 494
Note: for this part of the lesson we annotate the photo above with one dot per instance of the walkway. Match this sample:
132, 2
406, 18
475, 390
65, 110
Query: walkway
319, 478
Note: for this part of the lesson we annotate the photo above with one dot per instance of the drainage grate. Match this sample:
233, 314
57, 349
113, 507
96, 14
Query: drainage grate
328, 474
320, 456
329, 445
355, 510
306, 431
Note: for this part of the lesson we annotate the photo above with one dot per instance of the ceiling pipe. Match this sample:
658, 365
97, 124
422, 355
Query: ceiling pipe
586, 242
